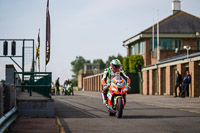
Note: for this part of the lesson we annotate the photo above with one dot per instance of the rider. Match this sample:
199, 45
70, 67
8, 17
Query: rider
68, 82
109, 73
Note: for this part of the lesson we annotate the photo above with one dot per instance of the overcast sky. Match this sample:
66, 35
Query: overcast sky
94, 29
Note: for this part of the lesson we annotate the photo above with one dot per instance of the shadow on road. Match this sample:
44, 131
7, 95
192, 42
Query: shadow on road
70, 111
153, 117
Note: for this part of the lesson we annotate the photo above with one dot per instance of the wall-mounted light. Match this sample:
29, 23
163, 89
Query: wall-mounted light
187, 48
176, 50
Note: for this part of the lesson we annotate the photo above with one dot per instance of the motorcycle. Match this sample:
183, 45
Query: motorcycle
116, 97
68, 90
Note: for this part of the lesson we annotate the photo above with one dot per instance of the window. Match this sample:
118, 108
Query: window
155, 44
138, 48
133, 49
177, 44
89, 67
142, 47
198, 44
166, 44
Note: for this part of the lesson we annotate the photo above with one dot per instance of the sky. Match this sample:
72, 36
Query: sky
94, 29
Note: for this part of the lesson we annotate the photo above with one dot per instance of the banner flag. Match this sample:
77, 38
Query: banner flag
48, 35
39, 50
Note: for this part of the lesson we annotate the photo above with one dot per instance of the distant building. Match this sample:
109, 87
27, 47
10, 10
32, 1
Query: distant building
89, 69
160, 62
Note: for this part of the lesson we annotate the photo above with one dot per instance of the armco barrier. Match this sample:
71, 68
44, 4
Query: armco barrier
7, 119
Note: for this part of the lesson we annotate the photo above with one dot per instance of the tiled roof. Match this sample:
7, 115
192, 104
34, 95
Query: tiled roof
179, 57
180, 22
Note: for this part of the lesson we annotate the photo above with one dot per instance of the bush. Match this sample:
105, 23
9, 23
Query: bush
126, 64
136, 62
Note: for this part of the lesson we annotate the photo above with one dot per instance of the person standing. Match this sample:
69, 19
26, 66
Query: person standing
185, 84
57, 86
178, 83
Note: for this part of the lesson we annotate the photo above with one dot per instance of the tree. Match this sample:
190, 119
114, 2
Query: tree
110, 58
100, 62
77, 65
3, 81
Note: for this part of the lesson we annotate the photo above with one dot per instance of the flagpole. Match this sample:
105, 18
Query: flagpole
153, 36
36, 61
158, 47
39, 52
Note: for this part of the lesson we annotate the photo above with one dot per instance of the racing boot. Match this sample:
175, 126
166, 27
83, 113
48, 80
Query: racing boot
105, 99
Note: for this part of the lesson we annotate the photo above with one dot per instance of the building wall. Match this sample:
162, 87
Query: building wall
151, 91
10, 69
149, 59
169, 80
189, 41
80, 80
147, 54
129, 51
145, 79
166, 79
194, 69
160, 81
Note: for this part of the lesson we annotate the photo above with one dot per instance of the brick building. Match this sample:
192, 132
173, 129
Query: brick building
88, 69
173, 33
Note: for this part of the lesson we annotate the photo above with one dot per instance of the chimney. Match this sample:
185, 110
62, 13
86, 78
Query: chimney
176, 6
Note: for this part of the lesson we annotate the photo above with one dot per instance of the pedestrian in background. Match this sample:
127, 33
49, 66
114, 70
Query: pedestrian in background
178, 83
57, 86
185, 84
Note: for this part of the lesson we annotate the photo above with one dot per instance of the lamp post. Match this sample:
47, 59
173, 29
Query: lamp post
187, 48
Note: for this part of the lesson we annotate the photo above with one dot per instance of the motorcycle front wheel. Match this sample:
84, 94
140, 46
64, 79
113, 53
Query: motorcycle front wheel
119, 108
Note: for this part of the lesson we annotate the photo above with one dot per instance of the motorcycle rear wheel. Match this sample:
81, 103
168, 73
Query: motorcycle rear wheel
119, 108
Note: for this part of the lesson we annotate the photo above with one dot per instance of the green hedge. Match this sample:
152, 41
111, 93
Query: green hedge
136, 62
133, 64
126, 64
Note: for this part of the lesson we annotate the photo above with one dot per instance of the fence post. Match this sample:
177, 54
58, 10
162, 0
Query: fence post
1, 100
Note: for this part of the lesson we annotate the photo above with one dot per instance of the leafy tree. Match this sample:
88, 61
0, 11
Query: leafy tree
110, 58
74, 81
3, 81
101, 63
77, 65
136, 62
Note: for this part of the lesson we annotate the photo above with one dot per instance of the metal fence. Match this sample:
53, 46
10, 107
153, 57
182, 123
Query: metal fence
39, 82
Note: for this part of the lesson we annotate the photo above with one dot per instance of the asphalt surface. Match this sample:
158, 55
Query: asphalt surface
34, 125
85, 113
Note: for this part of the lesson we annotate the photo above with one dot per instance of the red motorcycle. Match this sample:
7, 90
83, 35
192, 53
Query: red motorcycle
117, 97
